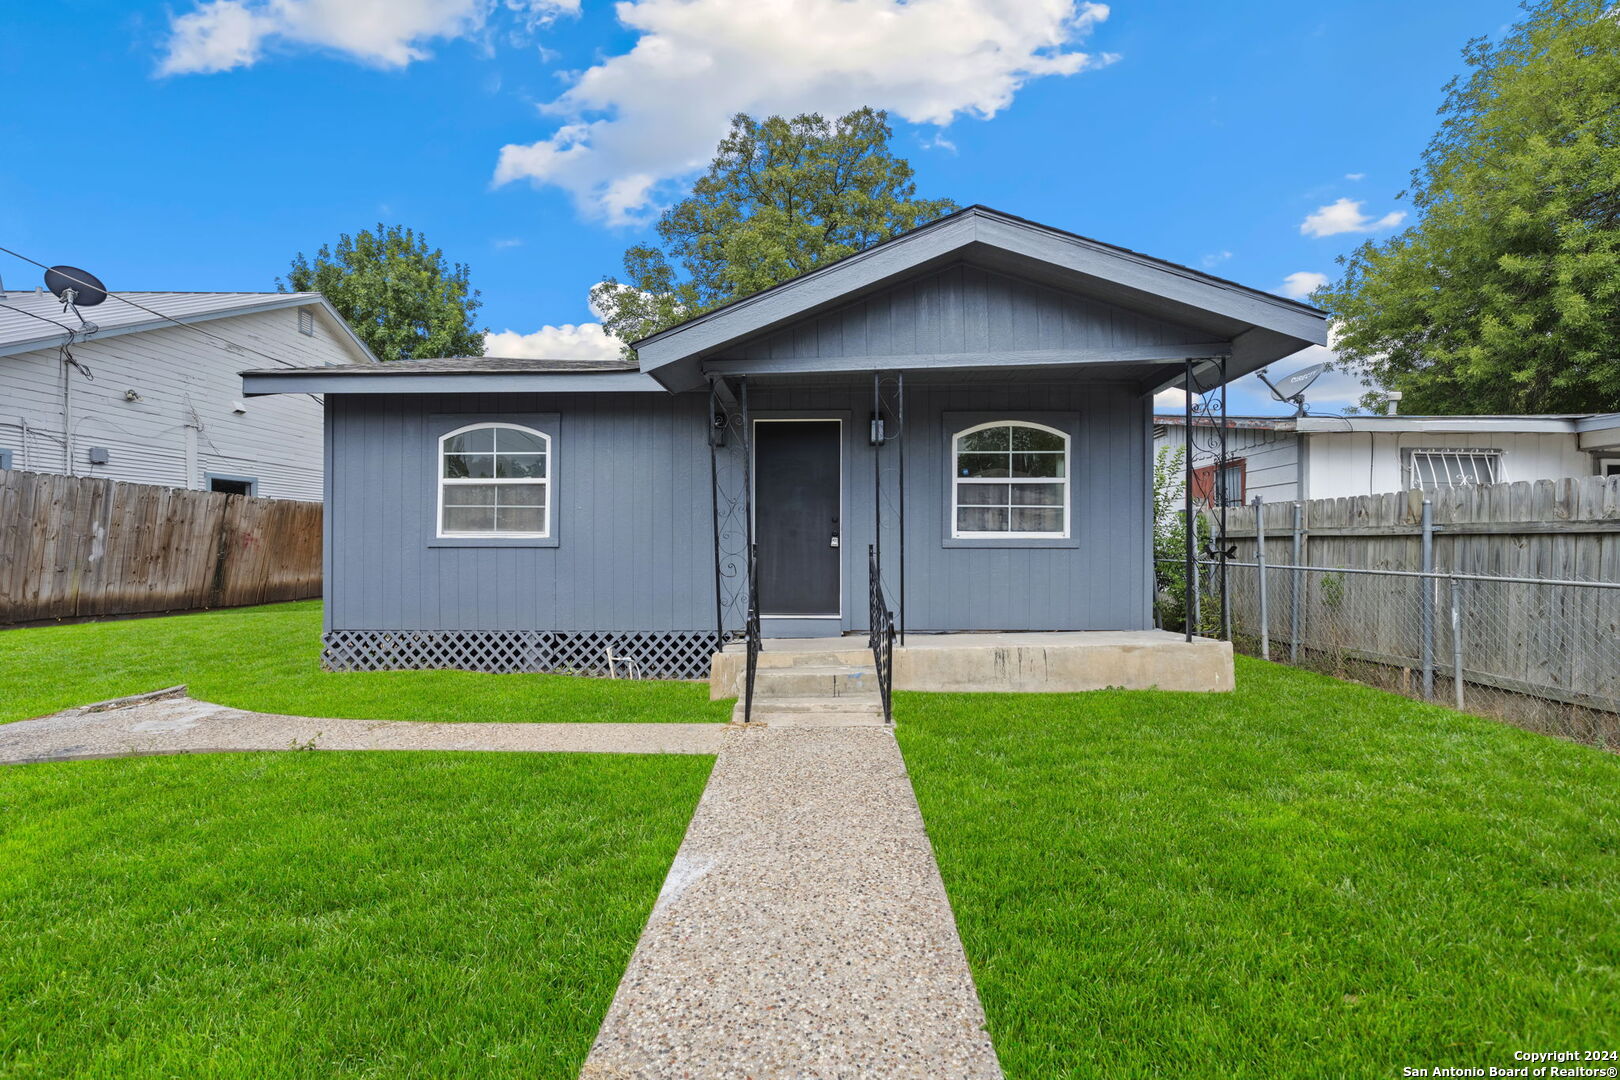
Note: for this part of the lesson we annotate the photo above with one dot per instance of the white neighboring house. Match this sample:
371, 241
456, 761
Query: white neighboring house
1329, 457
153, 402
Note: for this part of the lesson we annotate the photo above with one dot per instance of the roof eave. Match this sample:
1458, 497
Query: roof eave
334, 380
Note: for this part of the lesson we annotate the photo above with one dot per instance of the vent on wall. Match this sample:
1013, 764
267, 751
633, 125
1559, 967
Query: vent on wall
306, 322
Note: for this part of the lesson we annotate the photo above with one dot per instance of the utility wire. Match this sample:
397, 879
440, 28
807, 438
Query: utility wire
41, 318
227, 342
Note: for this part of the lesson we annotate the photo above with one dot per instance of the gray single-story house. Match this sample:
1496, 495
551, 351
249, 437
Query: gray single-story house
962, 413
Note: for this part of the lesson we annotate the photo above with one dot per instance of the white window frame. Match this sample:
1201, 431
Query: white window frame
1604, 463
444, 481
1413, 482
958, 480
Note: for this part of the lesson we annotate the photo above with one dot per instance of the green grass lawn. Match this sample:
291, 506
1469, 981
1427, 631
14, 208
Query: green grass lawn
268, 659
1303, 878
325, 914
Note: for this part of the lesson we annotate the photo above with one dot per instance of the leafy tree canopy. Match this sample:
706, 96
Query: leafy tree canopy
398, 293
781, 198
1505, 296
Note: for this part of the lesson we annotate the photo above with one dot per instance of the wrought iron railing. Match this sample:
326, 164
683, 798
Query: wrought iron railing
881, 635
752, 636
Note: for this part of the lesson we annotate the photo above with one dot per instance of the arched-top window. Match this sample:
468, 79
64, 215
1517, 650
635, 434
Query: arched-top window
1010, 479
495, 480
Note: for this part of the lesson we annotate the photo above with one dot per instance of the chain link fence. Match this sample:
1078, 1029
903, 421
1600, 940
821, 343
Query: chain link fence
1540, 653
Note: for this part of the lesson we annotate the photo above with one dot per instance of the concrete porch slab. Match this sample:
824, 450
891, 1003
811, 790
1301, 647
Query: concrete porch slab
1022, 663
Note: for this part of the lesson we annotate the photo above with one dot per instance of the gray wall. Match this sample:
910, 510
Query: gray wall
633, 525
963, 309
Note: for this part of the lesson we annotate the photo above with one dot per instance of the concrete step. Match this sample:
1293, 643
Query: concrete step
852, 656
863, 711
829, 681
851, 703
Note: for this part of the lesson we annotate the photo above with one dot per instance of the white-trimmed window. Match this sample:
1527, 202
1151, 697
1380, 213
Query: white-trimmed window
495, 481
1010, 480
1438, 470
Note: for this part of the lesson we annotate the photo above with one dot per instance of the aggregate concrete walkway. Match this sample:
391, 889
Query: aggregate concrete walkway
177, 724
803, 930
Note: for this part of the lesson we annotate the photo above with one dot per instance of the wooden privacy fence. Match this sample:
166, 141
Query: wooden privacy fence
76, 546
1475, 598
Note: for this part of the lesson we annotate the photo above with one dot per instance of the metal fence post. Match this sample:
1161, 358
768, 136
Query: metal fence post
1260, 571
1426, 601
1299, 581
1456, 641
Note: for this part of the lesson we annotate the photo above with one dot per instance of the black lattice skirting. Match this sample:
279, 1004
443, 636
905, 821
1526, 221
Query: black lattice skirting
674, 654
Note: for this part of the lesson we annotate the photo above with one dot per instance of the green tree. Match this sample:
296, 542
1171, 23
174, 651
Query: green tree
781, 198
400, 295
1170, 543
1505, 295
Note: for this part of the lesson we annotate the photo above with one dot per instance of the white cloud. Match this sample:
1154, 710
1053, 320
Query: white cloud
582, 341
1355, 176
1301, 283
501, 244
219, 35
1214, 259
637, 121
1346, 216
1170, 401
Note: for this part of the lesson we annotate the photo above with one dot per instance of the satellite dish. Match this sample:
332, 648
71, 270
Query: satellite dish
1294, 386
73, 286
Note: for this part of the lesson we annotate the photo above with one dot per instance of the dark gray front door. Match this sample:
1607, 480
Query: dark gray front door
796, 508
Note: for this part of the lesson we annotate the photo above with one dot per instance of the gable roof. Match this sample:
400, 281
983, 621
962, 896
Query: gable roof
1260, 326
35, 320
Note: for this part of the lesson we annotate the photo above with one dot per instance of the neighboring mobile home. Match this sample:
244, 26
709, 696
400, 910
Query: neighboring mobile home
964, 411
1334, 457
155, 398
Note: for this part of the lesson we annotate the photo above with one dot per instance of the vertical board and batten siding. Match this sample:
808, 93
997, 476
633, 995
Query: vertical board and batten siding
183, 425
631, 515
77, 547
634, 526
964, 310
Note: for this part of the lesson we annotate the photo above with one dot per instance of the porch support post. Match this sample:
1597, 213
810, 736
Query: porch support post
1220, 484
877, 473
1191, 577
900, 419
717, 428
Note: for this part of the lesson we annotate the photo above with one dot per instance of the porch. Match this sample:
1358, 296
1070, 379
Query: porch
1041, 662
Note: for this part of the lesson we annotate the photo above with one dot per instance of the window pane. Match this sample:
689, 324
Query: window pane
1423, 470
509, 440
1028, 438
465, 466
469, 519
479, 440
981, 519
981, 465
988, 440
1036, 495
520, 519
1037, 465
469, 494
520, 465
982, 495
1046, 519
523, 495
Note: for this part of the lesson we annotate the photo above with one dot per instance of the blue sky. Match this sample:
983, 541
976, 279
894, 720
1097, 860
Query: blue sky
199, 146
